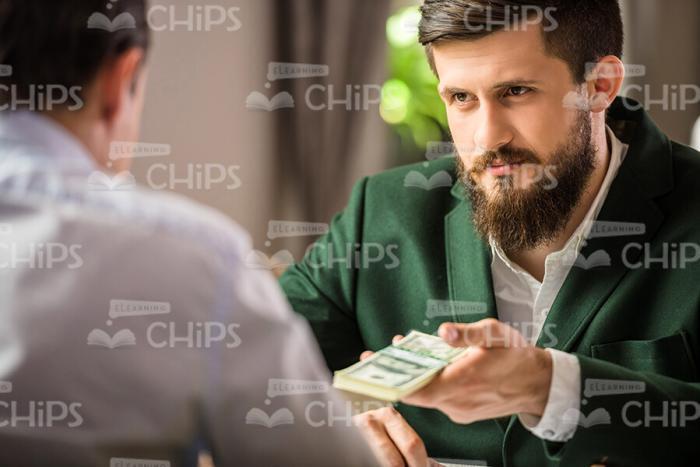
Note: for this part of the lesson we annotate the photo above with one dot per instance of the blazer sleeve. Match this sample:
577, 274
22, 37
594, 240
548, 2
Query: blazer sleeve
322, 286
632, 417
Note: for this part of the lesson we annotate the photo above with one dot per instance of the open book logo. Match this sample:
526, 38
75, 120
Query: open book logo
120, 339
99, 181
257, 416
259, 260
575, 100
122, 21
595, 260
416, 179
258, 101
599, 416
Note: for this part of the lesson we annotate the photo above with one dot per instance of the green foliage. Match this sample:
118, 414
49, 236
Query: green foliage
410, 101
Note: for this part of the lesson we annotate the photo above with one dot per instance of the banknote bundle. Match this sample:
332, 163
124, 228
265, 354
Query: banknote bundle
400, 369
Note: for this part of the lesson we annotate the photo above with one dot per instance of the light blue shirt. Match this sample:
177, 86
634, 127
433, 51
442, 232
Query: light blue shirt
132, 315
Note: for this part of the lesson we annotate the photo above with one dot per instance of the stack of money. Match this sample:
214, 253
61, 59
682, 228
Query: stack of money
400, 369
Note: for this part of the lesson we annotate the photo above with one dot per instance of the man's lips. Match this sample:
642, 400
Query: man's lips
499, 168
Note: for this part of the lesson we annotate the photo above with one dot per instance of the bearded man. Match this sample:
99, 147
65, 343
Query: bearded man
565, 254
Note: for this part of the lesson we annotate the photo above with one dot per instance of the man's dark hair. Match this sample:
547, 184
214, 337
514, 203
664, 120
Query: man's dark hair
51, 43
577, 31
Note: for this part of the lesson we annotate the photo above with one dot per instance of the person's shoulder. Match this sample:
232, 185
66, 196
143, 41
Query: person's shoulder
161, 220
685, 155
188, 221
682, 203
424, 181
443, 164
686, 171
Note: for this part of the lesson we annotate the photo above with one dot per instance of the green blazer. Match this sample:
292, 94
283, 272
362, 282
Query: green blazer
634, 320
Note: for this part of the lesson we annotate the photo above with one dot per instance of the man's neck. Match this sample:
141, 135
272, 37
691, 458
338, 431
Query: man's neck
84, 127
533, 261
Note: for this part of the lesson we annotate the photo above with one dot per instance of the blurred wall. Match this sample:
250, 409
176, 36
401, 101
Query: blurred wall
196, 102
198, 84
664, 36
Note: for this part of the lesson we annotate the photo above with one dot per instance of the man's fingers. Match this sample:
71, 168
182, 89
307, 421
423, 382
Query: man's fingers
404, 437
392, 439
368, 353
373, 430
485, 333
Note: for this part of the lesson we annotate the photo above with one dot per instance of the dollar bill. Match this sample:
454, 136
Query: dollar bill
400, 369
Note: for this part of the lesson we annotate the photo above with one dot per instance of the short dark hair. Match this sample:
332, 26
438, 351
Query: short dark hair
50, 43
583, 31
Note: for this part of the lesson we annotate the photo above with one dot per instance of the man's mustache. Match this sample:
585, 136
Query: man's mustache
505, 155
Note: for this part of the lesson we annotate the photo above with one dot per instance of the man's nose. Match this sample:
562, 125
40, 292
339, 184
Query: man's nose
493, 129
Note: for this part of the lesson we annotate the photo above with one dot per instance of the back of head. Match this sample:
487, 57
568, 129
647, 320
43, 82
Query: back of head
51, 47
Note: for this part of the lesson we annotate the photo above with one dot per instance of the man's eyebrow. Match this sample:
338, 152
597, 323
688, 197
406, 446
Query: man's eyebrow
448, 90
511, 83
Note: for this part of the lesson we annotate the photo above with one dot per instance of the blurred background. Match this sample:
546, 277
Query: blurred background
294, 147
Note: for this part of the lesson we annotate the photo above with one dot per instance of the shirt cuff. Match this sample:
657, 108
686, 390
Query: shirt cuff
564, 399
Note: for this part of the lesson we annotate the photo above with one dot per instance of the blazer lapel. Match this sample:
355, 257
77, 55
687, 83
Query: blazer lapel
645, 174
585, 291
468, 264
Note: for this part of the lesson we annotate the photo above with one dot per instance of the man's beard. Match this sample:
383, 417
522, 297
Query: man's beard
521, 218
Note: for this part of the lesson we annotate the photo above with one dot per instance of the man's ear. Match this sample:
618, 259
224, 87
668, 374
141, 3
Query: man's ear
604, 82
117, 81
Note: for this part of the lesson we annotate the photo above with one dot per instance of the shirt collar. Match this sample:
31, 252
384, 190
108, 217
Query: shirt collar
38, 136
618, 150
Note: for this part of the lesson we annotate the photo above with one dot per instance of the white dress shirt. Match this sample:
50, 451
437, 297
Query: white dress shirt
524, 303
135, 312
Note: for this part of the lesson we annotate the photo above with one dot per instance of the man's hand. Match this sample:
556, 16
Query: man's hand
392, 439
501, 374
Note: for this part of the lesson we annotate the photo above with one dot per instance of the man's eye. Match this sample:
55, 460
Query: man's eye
517, 91
461, 97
